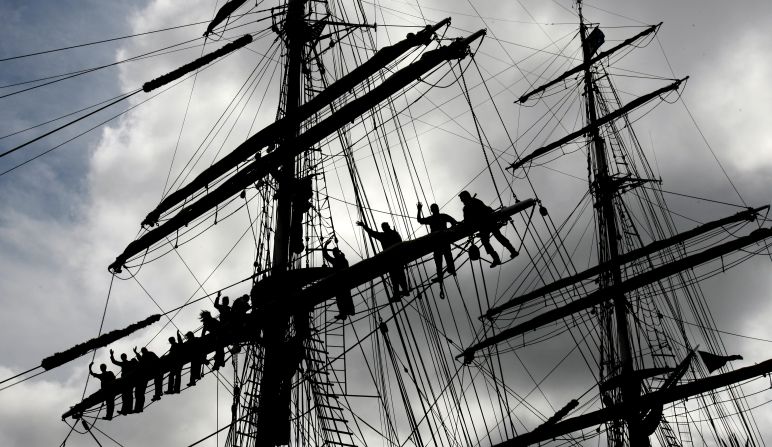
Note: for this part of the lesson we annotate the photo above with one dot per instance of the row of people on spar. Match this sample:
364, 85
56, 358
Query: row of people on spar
146, 365
476, 212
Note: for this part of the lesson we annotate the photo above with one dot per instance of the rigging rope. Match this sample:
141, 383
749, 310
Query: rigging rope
91, 128
62, 77
182, 125
113, 39
120, 98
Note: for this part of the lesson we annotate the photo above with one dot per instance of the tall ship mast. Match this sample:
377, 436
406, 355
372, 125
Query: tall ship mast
336, 312
640, 371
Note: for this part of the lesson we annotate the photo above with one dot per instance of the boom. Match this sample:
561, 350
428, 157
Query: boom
631, 256
270, 162
608, 293
632, 105
274, 131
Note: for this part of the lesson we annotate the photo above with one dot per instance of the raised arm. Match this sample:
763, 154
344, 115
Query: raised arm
112, 359
369, 231
91, 371
179, 337
420, 216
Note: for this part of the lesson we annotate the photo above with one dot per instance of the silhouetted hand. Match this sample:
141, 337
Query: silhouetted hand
112, 352
419, 205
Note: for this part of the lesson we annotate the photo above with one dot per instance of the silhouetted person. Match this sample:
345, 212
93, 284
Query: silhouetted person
238, 320
439, 222
149, 364
193, 350
128, 368
107, 381
176, 361
339, 262
478, 213
387, 238
223, 308
240, 307
212, 327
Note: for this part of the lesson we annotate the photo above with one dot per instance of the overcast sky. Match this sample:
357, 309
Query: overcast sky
65, 216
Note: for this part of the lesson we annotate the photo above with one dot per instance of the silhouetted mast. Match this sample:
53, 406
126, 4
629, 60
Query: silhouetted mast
650, 400
604, 191
278, 331
633, 416
273, 413
272, 133
255, 170
286, 358
284, 327
608, 293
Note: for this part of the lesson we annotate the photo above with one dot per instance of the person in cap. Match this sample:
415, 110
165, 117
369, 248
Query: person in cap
478, 213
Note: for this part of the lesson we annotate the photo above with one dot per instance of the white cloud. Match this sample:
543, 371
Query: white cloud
33, 405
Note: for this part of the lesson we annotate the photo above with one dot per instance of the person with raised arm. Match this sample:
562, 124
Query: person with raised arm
214, 328
107, 381
387, 238
223, 308
439, 222
176, 361
150, 366
338, 261
128, 369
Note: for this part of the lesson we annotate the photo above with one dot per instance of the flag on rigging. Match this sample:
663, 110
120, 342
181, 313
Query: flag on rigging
222, 14
714, 362
594, 41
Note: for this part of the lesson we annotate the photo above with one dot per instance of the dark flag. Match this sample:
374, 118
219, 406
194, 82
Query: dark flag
714, 362
222, 14
594, 41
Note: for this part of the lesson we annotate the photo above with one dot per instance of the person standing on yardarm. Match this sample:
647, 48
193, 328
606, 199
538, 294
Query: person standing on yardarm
478, 213
387, 238
439, 222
